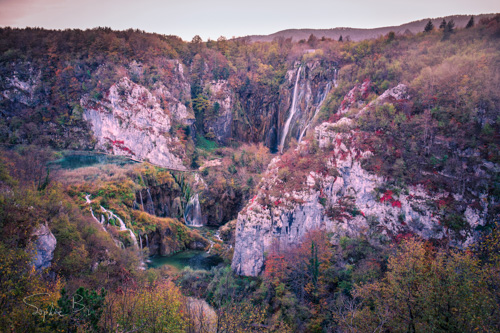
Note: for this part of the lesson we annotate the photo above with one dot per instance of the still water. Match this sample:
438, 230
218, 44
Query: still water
81, 160
193, 259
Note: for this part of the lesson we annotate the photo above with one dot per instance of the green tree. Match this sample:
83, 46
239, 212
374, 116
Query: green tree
429, 26
443, 24
83, 309
470, 24
450, 26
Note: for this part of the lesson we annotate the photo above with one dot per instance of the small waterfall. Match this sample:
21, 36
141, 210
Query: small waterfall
101, 222
122, 226
292, 111
147, 240
150, 208
140, 240
142, 201
322, 99
335, 76
192, 213
217, 236
110, 215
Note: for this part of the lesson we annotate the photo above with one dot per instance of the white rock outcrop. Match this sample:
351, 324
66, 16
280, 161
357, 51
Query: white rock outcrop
131, 121
45, 244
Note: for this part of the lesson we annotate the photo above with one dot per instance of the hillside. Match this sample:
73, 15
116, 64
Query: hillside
330, 186
357, 35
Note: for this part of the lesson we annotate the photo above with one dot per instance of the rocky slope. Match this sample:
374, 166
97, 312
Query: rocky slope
331, 191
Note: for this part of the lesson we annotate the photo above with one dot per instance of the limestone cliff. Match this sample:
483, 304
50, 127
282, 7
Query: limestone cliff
219, 124
329, 190
130, 121
45, 244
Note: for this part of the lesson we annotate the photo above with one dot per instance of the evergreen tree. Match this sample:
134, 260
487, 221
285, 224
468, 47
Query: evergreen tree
450, 26
429, 26
443, 24
470, 24
340, 38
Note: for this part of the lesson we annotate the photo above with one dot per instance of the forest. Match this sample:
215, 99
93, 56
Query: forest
76, 241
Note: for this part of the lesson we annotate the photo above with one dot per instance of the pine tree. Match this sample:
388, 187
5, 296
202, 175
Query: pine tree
429, 26
443, 24
450, 26
340, 38
470, 24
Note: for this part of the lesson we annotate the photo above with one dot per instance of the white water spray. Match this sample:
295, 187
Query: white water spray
292, 111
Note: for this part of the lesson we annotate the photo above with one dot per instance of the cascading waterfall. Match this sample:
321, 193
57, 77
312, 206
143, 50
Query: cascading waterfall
122, 226
101, 222
335, 75
217, 236
192, 213
322, 100
142, 201
292, 111
110, 216
147, 240
150, 208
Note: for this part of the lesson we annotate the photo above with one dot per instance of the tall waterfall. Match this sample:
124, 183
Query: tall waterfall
292, 111
322, 99
192, 213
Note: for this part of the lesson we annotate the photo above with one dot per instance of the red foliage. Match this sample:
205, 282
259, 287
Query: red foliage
402, 236
387, 196
396, 203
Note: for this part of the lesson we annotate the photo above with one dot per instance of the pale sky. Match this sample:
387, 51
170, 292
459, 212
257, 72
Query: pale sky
214, 18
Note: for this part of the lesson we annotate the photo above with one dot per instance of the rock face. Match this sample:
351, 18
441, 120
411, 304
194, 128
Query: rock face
165, 241
133, 121
310, 89
45, 244
342, 199
219, 125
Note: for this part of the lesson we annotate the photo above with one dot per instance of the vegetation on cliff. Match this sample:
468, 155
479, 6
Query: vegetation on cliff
444, 137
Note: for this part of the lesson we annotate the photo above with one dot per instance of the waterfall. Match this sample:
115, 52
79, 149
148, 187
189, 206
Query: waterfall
292, 111
335, 75
142, 202
140, 240
217, 236
122, 226
147, 240
150, 208
192, 213
110, 216
87, 199
322, 99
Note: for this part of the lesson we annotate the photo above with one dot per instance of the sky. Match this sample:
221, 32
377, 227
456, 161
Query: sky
214, 18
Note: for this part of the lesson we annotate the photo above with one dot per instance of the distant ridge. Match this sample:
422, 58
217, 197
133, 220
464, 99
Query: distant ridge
356, 34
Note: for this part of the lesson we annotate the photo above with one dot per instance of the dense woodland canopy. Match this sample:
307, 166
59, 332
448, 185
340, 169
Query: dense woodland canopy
363, 284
